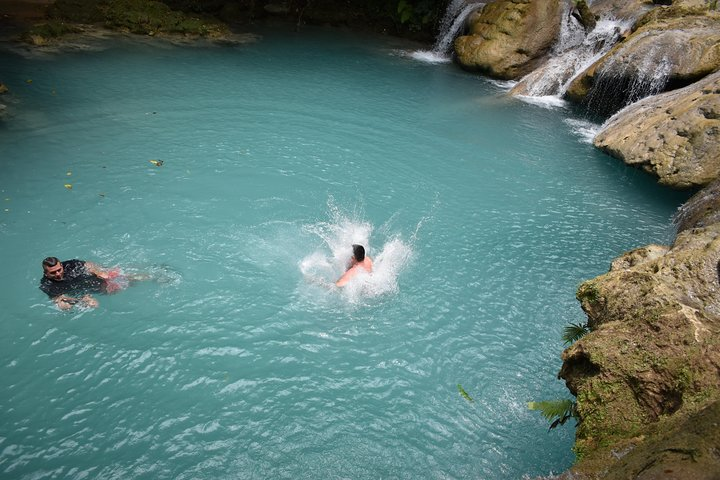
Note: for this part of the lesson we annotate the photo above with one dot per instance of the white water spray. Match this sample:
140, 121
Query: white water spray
325, 265
453, 20
571, 57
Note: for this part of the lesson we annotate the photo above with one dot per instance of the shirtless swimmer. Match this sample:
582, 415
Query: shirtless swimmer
359, 262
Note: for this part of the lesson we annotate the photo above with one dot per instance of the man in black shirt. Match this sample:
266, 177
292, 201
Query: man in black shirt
72, 281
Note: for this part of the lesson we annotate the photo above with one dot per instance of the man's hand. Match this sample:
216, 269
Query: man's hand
64, 302
95, 270
89, 301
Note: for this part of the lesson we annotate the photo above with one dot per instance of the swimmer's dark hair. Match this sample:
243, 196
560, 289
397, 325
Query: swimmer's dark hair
50, 262
359, 252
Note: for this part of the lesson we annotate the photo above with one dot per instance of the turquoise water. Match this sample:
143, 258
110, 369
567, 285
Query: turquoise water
482, 214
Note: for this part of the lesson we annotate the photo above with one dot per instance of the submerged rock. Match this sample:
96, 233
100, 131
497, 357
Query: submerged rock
674, 136
509, 38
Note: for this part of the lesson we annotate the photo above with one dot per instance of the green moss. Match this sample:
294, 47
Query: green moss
52, 29
588, 291
667, 13
146, 17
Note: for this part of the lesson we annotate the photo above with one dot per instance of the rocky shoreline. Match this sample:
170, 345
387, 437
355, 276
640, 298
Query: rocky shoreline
647, 376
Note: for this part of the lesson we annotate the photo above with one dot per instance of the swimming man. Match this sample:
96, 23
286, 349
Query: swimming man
71, 282
359, 262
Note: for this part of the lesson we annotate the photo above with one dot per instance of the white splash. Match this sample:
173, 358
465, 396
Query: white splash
583, 129
453, 20
571, 57
325, 265
547, 101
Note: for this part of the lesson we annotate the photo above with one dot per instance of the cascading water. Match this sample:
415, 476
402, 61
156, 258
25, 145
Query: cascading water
625, 79
573, 54
451, 23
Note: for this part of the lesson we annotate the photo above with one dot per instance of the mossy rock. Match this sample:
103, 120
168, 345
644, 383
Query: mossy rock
667, 13
147, 17
650, 362
42, 33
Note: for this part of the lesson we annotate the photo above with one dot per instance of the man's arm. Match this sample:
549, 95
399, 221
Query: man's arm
64, 302
95, 269
342, 281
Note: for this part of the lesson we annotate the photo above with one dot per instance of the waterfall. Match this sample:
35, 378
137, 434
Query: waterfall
572, 55
451, 23
625, 79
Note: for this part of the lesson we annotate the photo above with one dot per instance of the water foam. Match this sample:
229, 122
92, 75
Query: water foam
450, 26
584, 129
325, 265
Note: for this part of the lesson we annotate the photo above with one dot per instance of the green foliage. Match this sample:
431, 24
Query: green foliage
150, 17
53, 29
556, 411
588, 291
465, 394
415, 14
574, 331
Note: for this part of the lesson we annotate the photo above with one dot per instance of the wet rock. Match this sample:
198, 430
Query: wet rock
650, 363
702, 210
584, 15
674, 136
509, 38
277, 8
623, 10
662, 54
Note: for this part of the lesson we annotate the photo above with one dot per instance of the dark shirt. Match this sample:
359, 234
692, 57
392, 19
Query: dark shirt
76, 280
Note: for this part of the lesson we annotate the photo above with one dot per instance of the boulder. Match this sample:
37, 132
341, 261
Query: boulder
623, 10
650, 362
509, 38
702, 210
674, 136
662, 54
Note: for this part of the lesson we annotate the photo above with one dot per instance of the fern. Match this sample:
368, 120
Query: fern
557, 411
574, 331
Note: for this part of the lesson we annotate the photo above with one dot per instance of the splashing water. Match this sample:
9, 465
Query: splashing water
571, 58
324, 266
454, 18
629, 77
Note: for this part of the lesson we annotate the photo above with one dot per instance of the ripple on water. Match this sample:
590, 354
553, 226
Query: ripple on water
239, 357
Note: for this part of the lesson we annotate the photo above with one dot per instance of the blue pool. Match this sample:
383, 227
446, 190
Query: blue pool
238, 360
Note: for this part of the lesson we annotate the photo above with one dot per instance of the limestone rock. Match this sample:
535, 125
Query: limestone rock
674, 136
509, 38
651, 358
702, 210
625, 10
663, 54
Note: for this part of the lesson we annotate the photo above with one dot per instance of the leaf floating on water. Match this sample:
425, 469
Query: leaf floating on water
68, 186
68, 173
157, 163
465, 394
29, 80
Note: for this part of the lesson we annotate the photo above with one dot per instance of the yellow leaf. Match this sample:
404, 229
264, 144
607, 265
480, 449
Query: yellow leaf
68, 186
